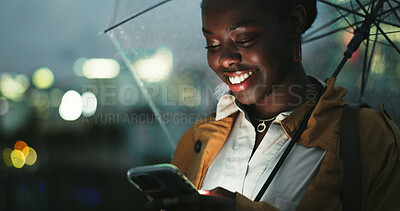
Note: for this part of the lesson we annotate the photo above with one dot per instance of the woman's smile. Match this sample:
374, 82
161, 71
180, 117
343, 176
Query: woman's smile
239, 80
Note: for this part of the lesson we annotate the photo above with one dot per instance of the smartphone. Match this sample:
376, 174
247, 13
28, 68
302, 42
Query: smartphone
160, 181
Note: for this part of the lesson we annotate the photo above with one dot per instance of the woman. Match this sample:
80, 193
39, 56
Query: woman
254, 47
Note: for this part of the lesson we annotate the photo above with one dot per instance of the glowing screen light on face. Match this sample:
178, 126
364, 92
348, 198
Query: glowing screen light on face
89, 104
43, 78
100, 68
155, 68
71, 106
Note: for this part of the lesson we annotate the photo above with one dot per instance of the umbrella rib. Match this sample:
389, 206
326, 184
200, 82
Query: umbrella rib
394, 12
341, 14
327, 34
365, 11
370, 6
135, 15
387, 33
388, 23
354, 16
388, 11
316, 30
364, 71
370, 59
342, 8
387, 38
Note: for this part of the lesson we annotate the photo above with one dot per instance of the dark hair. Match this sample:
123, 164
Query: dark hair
283, 7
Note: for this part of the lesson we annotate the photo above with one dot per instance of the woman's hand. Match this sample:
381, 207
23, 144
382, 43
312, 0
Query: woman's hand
216, 199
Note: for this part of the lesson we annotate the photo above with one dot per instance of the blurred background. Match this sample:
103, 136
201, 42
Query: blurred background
79, 108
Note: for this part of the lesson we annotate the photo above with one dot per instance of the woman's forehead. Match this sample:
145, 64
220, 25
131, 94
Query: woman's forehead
223, 3
236, 12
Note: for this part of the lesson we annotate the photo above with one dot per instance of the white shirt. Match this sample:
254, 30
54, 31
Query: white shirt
236, 170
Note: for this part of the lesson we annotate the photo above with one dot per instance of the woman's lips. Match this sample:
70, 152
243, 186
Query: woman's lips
239, 80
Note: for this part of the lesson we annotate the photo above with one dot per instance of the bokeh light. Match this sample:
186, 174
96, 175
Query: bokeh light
40, 101
55, 97
31, 158
155, 68
20, 145
7, 156
190, 96
378, 61
71, 106
4, 106
21, 155
43, 78
78, 66
17, 158
100, 68
13, 88
89, 104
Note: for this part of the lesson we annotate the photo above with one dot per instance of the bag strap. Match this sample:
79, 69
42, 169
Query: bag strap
350, 153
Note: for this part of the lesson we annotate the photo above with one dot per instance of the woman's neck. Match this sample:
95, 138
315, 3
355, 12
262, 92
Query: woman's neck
290, 94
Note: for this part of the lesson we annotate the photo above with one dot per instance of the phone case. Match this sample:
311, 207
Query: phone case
160, 181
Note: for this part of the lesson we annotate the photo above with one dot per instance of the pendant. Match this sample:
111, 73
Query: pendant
261, 127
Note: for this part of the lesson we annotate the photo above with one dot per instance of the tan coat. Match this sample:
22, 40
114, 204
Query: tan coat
380, 155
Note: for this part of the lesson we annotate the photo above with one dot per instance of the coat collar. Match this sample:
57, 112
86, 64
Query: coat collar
322, 129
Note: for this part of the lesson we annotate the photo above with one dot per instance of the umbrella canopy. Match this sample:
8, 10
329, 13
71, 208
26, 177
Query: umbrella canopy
373, 70
164, 49
162, 45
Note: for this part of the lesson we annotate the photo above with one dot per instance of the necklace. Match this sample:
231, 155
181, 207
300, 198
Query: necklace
262, 126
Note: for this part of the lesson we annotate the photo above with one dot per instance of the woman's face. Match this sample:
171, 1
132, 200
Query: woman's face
249, 48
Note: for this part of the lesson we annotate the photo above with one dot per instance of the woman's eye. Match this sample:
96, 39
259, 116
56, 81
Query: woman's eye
245, 42
212, 47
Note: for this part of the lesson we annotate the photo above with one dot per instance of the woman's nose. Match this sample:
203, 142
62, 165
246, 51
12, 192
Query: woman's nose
228, 57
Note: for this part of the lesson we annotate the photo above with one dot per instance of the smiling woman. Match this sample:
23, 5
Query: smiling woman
254, 47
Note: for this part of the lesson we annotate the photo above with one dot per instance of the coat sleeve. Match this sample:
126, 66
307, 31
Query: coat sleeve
380, 160
183, 151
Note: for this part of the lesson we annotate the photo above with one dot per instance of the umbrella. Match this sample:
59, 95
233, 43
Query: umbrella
162, 45
373, 71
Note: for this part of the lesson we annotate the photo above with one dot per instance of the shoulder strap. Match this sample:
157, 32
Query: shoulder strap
350, 153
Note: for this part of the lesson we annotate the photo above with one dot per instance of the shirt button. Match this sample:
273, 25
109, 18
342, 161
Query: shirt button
197, 146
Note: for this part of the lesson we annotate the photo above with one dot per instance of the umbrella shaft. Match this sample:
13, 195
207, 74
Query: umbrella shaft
361, 33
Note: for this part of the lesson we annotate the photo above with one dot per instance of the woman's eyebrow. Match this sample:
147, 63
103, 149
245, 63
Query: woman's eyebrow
206, 31
241, 23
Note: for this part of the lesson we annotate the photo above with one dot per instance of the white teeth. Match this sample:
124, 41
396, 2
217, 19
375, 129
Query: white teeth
240, 78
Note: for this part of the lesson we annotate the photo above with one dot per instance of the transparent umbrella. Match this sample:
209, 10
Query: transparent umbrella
162, 45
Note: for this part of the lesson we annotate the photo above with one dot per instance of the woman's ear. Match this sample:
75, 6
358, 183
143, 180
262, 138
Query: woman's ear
298, 19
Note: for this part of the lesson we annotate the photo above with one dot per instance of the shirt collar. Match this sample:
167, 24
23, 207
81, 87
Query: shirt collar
228, 105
